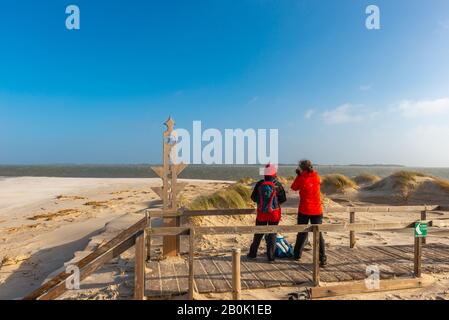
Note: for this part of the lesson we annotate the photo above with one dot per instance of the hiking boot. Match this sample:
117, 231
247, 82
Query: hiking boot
323, 262
250, 257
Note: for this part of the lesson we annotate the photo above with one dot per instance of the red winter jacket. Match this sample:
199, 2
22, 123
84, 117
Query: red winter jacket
308, 185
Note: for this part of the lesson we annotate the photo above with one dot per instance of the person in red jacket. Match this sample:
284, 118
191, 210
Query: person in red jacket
307, 183
268, 194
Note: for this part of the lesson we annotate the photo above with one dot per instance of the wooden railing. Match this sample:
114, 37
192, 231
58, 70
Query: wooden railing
136, 236
193, 232
181, 214
132, 236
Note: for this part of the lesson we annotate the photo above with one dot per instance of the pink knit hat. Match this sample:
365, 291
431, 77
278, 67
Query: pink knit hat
270, 170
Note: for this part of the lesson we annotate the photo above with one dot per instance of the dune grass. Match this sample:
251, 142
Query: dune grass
236, 196
443, 184
286, 181
338, 182
246, 180
366, 178
406, 180
402, 181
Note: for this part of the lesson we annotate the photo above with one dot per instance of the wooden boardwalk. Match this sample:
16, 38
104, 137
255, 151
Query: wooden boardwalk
213, 273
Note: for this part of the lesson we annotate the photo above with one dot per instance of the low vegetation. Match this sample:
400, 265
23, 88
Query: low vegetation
286, 181
54, 215
236, 196
411, 187
403, 181
366, 179
247, 180
337, 183
443, 184
97, 204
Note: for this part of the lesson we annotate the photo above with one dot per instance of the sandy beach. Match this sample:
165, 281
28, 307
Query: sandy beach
46, 223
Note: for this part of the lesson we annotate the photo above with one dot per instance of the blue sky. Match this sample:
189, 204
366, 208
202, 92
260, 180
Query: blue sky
338, 92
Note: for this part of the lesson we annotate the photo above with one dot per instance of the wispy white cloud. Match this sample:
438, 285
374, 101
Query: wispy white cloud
444, 24
421, 108
346, 113
365, 87
253, 100
309, 114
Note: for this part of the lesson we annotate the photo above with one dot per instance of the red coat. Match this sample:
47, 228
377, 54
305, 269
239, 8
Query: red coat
308, 185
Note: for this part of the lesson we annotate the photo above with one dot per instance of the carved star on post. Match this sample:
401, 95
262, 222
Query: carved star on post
170, 124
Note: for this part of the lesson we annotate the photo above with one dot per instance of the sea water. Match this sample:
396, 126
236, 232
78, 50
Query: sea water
212, 172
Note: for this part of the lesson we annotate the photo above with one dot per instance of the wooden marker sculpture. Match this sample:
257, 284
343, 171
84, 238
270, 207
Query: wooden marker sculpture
170, 189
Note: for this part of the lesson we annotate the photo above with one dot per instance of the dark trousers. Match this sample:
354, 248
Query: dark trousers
270, 239
301, 238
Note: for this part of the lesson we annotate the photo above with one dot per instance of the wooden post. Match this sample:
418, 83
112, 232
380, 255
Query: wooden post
236, 282
191, 261
417, 258
178, 238
169, 172
316, 255
139, 267
351, 233
423, 218
148, 236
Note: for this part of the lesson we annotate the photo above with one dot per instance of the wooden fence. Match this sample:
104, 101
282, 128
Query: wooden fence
351, 227
182, 214
132, 236
135, 236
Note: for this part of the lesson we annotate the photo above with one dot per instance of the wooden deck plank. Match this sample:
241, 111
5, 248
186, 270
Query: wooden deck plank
202, 280
168, 278
362, 259
303, 267
300, 273
346, 264
244, 285
404, 259
153, 280
285, 269
182, 274
335, 268
261, 274
388, 262
406, 253
250, 277
442, 249
377, 258
216, 275
357, 261
274, 278
438, 258
226, 270
213, 274
436, 253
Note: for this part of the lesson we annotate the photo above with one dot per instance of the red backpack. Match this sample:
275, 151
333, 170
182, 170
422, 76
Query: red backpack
268, 208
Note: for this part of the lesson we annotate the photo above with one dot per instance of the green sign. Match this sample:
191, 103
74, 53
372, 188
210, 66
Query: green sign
420, 229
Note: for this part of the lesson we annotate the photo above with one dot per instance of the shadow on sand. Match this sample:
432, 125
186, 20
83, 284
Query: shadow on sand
32, 273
